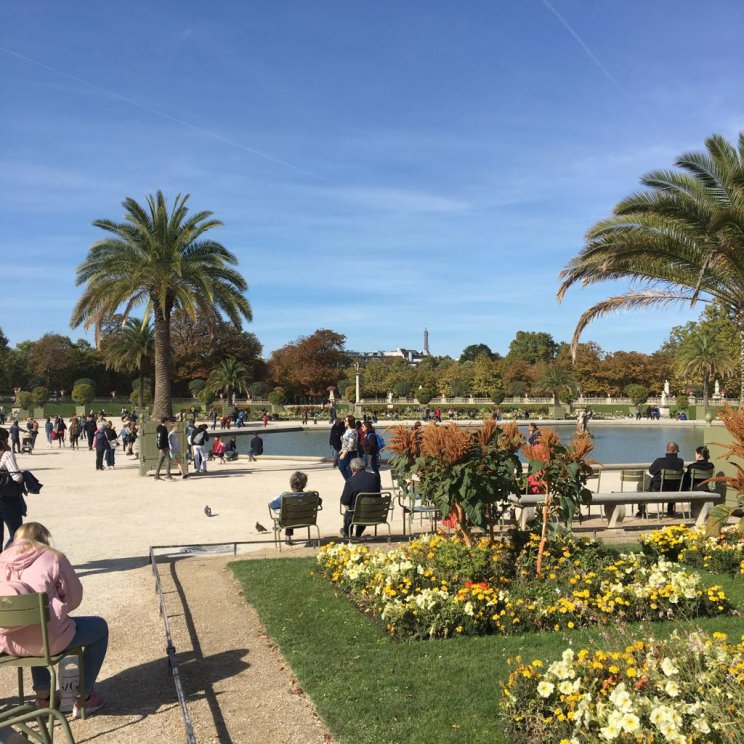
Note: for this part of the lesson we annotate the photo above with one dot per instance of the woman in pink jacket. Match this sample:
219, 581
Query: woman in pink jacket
31, 565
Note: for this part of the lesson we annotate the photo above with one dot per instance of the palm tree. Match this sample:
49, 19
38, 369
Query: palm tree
702, 355
158, 259
228, 376
556, 379
680, 240
131, 349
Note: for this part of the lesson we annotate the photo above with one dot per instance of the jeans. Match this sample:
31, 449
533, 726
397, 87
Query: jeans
91, 633
11, 514
200, 458
344, 464
110, 457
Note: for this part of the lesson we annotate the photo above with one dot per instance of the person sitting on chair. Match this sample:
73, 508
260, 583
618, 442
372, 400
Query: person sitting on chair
698, 471
670, 461
360, 481
31, 561
297, 483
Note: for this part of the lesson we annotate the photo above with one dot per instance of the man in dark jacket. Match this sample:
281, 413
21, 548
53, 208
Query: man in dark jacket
161, 442
670, 461
361, 481
15, 436
89, 427
337, 431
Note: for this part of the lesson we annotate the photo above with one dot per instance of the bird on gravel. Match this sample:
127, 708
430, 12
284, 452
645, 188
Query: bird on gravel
260, 528
208, 511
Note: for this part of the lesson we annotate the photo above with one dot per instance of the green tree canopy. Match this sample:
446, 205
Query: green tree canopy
678, 241
533, 347
160, 260
472, 352
702, 356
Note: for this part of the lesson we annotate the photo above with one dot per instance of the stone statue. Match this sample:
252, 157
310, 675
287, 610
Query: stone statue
717, 388
666, 387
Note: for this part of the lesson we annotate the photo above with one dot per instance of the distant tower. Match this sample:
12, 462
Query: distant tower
426, 341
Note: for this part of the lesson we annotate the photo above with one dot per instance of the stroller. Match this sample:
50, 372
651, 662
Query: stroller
27, 442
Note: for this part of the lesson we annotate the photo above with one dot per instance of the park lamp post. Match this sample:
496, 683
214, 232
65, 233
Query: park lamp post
357, 404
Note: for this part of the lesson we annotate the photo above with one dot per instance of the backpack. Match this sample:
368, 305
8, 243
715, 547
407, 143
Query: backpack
198, 437
380, 442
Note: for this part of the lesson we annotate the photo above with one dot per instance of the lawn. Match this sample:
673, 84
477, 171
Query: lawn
369, 688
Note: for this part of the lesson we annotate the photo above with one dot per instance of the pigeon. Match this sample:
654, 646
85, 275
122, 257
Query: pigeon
208, 511
260, 528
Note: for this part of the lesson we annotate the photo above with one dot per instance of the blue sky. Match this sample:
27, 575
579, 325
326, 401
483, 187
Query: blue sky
380, 167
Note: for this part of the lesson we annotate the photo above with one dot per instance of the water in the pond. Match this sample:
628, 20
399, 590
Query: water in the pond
611, 444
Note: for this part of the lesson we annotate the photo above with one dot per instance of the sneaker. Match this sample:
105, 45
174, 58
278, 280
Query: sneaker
43, 703
185, 475
94, 702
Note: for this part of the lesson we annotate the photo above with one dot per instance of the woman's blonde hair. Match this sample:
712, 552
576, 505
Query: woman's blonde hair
35, 533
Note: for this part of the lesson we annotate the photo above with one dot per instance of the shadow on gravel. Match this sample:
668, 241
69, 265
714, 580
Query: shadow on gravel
145, 689
110, 565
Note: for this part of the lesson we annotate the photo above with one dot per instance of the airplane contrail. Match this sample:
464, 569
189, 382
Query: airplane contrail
588, 51
164, 115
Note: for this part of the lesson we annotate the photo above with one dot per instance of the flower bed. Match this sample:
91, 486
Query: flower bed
437, 587
686, 689
721, 554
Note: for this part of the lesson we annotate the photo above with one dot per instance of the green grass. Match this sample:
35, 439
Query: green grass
370, 689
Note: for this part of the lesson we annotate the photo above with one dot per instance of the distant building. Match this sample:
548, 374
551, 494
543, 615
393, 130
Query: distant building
411, 356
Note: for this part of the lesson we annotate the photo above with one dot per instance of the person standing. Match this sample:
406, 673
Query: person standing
174, 448
48, 426
349, 443
334, 440
200, 440
161, 442
60, 427
371, 447
90, 430
101, 443
74, 432
12, 505
113, 441
15, 436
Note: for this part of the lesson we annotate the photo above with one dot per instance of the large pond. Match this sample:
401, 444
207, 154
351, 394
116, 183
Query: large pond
623, 443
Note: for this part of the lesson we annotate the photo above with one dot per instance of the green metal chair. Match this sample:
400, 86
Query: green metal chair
33, 609
297, 510
371, 510
671, 480
638, 479
19, 716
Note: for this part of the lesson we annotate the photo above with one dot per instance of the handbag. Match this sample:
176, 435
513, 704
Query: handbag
8, 487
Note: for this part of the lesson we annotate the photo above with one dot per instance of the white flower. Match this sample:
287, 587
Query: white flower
468, 609
610, 731
701, 725
630, 722
565, 687
620, 698
668, 667
545, 689
671, 688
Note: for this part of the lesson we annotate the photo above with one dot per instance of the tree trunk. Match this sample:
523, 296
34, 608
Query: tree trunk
705, 390
141, 386
162, 405
740, 326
